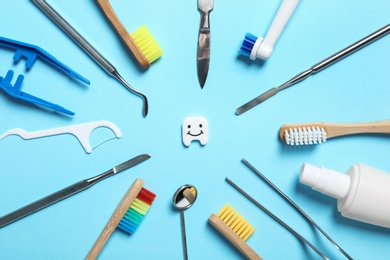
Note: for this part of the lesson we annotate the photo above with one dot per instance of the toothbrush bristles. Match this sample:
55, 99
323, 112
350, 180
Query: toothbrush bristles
247, 44
305, 135
137, 211
147, 44
235, 222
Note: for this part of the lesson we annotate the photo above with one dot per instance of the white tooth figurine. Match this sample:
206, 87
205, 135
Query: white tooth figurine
195, 128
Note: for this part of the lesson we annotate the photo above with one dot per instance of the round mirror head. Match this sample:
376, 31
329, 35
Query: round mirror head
184, 197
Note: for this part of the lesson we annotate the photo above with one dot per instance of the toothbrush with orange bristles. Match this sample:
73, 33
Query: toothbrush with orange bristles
316, 133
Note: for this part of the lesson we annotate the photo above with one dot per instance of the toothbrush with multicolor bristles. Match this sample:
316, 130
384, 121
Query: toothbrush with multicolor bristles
127, 215
257, 47
316, 133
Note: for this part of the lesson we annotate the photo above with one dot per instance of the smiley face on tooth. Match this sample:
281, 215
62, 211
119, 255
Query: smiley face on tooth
198, 134
195, 128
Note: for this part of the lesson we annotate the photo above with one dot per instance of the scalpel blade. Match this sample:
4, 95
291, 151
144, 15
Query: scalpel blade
68, 191
130, 163
203, 55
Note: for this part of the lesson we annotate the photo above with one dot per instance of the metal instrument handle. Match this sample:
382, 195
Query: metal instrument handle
72, 33
44, 202
351, 49
183, 235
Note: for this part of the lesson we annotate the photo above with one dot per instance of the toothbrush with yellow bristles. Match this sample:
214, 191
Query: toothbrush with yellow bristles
317, 133
236, 229
88, 48
141, 42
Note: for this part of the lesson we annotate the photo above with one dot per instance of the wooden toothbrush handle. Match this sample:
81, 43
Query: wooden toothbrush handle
116, 217
339, 129
123, 33
240, 244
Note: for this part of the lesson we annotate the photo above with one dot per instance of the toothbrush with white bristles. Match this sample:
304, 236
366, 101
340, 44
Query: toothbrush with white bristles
317, 133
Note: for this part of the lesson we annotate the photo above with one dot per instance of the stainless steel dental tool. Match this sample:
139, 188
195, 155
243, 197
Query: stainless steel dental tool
184, 198
292, 203
315, 68
281, 222
88, 48
69, 191
203, 54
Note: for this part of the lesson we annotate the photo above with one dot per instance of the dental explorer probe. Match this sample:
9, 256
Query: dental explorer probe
315, 68
88, 48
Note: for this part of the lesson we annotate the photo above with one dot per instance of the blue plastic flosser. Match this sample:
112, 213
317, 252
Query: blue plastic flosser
31, 53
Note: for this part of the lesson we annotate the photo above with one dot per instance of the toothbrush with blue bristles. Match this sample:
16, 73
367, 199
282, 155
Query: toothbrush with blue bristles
258, 47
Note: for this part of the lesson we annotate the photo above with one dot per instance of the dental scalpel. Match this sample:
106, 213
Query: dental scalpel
69, 191
88, 48
315, 68
203, 55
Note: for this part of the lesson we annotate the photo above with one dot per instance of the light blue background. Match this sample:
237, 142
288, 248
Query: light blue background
355, 89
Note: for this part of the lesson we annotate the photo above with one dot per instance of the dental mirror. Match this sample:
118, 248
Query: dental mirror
184, 198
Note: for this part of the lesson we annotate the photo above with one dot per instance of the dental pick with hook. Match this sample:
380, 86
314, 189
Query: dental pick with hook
88, 48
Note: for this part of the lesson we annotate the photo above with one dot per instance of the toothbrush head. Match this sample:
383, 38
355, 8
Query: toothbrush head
254, 47
303, 135
250, 45
134, 215
235, 229
235, 222
257, 47
127, 215
247, 44
147, 44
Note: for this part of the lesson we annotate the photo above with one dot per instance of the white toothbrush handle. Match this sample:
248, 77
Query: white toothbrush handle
81, 132
280, 20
